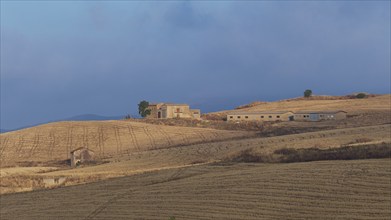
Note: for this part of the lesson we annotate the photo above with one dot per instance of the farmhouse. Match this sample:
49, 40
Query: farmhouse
260, 116
171, 110
81, 155
319, 115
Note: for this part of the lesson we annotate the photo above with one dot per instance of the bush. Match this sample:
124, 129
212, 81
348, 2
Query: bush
368, 151
361, 95
291, 155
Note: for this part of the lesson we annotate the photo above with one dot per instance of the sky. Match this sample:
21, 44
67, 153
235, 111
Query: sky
65, 58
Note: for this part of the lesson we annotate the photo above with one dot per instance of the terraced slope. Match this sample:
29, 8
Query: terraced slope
316, 190
108, 139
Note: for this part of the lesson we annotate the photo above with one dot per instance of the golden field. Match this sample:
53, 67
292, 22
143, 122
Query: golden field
358, 189
16, 179
157, 171
108, 139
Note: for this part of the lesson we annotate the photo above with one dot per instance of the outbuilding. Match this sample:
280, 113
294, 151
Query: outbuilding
81, 155
260, 116
319, 115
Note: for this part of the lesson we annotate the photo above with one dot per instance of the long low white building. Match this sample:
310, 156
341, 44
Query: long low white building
260, 116
287, 116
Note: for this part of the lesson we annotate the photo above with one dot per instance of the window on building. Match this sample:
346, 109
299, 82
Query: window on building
246, 116
278, 116
231, 116
178, 110
238, 116
270, 116
262, 116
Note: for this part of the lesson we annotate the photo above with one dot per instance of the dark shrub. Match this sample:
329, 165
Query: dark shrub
361, 95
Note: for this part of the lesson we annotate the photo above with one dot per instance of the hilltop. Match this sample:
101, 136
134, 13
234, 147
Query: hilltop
369, 107
109, 139
157, 169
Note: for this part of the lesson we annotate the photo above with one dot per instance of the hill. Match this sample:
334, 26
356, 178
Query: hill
369, 111
91, 117
357, 189
28, 178
109, 139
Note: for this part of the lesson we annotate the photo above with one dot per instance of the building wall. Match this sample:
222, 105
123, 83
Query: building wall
196, 113
340, 115
320, 116
81, 155
302, 117
154, 110
259, 117
177, 111
173, 111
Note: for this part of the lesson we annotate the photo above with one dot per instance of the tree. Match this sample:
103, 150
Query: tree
143, 108
361, 95
307, 93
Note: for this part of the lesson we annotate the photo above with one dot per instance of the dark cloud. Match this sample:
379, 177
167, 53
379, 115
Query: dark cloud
184, 15
107, 57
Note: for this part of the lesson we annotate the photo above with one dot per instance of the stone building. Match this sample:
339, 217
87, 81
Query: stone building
171, 110
81, 155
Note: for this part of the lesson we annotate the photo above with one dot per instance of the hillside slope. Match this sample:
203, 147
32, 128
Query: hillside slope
352, 106
18, 179
108, 139
314, 190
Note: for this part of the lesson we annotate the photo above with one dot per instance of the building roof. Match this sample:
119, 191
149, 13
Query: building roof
168, 104
173, 104
155, 103
81, 148
258, 113
319, 112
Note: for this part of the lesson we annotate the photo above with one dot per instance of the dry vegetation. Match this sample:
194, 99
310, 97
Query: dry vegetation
358, 189
292, 155
51, 143
190, 169
182, 156
361, 112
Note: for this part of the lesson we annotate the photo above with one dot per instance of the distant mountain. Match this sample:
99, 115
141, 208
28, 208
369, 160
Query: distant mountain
4, 130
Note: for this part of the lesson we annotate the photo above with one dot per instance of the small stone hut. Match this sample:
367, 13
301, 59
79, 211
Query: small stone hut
81, 155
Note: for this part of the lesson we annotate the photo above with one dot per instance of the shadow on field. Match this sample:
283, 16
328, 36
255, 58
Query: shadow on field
291, 155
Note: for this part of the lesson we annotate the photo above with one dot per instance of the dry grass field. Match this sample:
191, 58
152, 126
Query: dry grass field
377, 103
361, 112
157, 171
184, 156
108, 139
357, 189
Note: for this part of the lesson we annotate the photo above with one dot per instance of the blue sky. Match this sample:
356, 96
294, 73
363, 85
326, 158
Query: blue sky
65, 58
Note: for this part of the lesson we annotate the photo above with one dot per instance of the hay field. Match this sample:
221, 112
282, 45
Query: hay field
108, 139
185, 156
377, 103
214, 152
358, 189
368, 111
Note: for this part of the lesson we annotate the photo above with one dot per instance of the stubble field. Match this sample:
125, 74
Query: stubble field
315, 190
